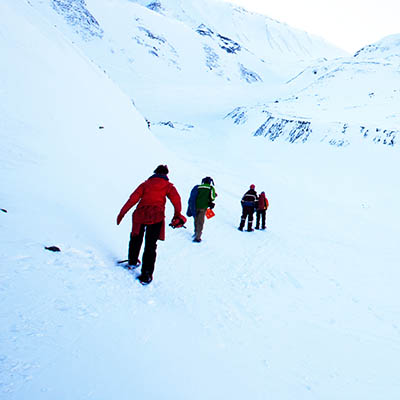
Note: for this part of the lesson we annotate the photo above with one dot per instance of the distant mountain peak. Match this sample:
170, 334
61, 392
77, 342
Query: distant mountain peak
388, 47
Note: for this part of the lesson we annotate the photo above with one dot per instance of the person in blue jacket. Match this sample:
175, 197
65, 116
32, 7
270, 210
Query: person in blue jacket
201, 197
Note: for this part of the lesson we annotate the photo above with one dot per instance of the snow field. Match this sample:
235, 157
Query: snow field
307, 309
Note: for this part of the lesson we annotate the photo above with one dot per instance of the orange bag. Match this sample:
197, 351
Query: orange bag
209, 213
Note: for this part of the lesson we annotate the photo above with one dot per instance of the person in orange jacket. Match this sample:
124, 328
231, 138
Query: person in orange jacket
261, 210
149, 217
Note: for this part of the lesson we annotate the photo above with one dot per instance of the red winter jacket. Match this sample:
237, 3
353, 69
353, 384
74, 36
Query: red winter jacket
151, 196
262, 202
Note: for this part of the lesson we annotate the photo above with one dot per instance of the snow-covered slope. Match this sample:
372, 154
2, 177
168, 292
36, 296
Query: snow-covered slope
342, 101
62, 122
271, 40
386, 49
183, 42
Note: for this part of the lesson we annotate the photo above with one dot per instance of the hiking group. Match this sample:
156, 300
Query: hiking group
148, 219
250, 203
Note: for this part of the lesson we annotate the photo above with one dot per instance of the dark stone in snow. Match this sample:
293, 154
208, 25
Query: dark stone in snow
168, 123
53, 248
248, 75
204, 30
2, 209
229, 45
151, 35
155, 6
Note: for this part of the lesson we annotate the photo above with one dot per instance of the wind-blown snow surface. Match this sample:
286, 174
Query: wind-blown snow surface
308, 309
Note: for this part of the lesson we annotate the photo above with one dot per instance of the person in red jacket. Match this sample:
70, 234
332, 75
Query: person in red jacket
262, 207
149, 217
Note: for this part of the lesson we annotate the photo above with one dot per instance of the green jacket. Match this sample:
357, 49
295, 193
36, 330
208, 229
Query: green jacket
205, 195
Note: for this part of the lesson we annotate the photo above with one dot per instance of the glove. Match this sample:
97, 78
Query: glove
178, 221
212, 205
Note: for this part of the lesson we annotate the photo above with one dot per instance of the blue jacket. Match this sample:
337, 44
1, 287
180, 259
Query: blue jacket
191, 211
249, 199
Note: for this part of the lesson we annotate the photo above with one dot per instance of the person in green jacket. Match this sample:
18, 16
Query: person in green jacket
201, 197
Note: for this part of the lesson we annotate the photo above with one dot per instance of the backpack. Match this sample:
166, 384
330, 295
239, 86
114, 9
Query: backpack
191, 211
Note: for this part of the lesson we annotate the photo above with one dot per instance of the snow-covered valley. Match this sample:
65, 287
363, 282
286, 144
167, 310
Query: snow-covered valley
308, 309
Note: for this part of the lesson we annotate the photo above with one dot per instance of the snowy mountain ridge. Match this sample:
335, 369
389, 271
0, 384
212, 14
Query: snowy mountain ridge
258, 33
195, 42
237, 46
351, 99
387, 49
297, 130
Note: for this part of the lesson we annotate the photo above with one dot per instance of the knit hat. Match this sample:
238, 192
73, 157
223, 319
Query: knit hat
208, 180
252, 187
161, 169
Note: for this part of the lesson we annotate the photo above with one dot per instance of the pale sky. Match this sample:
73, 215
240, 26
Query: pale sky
349, 24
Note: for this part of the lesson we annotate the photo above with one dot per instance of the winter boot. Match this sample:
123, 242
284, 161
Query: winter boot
133, 265
145, 279
126, 264
249, 227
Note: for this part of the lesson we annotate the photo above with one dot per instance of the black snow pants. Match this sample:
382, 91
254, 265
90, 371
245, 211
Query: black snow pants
260, 215
150, 247
247, 212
